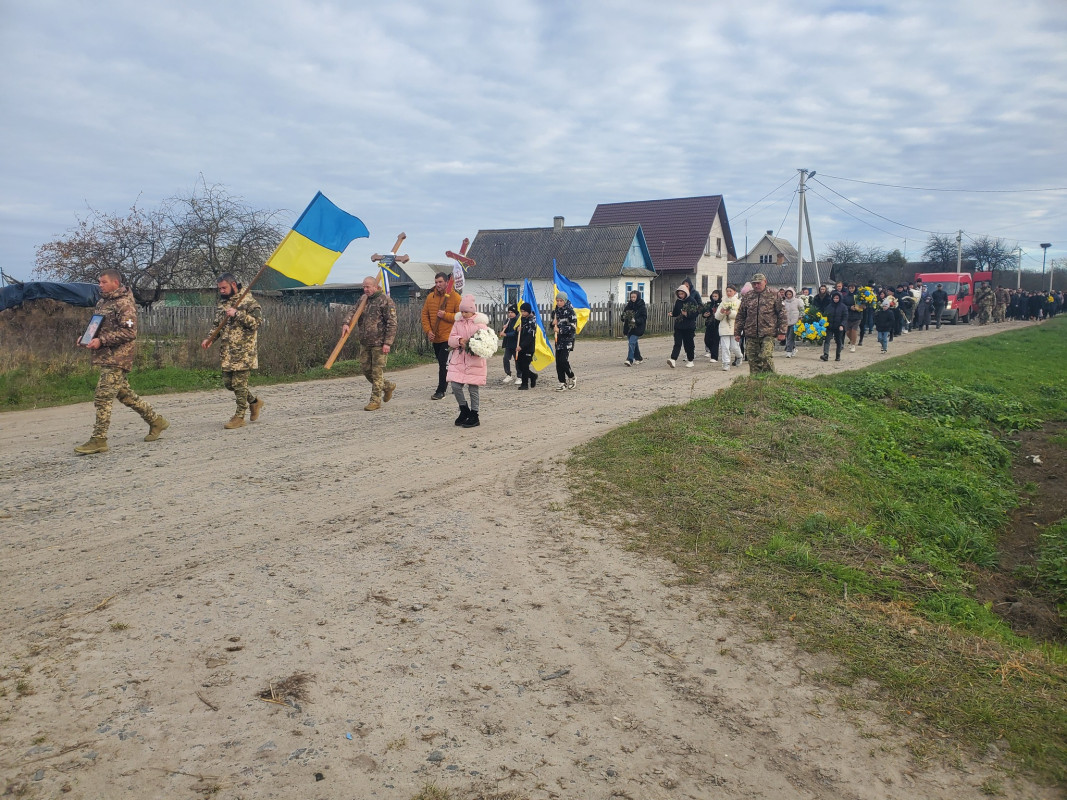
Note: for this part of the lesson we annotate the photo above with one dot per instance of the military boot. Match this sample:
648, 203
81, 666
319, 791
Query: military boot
157, 427
255, 409
235, 422
388, 394
94, 445
373, 405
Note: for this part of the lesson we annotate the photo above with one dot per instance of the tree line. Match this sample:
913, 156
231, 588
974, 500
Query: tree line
988, 253
187, 242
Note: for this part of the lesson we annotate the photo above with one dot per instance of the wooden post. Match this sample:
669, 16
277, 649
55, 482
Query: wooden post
362, 305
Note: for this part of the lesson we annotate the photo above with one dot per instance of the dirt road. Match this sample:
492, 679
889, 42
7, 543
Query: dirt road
456, 625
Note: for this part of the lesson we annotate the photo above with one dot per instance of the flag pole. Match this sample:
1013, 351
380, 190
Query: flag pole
362, 305
218, 328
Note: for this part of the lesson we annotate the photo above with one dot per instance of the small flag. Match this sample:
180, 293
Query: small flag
575, 293
543, 354
316, 241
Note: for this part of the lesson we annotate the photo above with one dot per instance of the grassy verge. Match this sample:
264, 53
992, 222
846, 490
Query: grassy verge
42, 385
857, 508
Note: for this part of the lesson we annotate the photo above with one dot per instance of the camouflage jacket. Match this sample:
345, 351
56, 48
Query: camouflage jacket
238, 341
985, 297
377, 326
118, 331
760, 314
1002, 296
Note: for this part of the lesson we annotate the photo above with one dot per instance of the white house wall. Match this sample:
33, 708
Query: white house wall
712, 264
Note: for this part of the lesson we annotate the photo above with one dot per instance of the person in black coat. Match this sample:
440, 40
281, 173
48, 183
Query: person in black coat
711, 327
635, 315
685, 324
822, 300
527, 344
939, 297
837, 321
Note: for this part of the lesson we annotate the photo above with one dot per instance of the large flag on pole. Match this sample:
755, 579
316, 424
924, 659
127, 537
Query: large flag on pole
543, 355
575, 293
316, 241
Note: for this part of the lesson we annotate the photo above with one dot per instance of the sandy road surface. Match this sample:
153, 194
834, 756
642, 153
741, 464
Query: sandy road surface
479, 640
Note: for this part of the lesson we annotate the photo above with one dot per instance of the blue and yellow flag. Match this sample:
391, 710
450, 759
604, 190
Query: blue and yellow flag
543, 354
316, 241
575, 293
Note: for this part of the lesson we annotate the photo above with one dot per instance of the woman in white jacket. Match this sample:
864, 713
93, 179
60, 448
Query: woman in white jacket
794, 310
726, 314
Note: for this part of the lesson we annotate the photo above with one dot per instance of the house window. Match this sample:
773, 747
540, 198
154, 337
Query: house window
704, 285
718, 248
629, 288
511, 293
707, 247
769, 259
718, 284
640, 290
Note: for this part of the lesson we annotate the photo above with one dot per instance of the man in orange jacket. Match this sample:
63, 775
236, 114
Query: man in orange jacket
439, 311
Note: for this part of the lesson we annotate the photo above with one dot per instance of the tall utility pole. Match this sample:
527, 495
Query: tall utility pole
1044, 252
1018, 267
959, 251
802, 219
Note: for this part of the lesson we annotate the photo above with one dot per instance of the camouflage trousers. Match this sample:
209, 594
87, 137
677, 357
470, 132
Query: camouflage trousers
237, 382
372, 359
999, 313
984, 314
113, 384
760, 354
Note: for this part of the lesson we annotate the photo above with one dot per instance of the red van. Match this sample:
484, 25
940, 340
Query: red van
959, 286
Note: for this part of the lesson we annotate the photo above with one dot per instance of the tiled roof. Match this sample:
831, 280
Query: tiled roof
581, 251
676, 230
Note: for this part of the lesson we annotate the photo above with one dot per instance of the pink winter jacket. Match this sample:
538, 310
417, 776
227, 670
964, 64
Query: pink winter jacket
464, 367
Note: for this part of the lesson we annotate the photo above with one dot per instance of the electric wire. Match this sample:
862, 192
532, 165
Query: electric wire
772, 191
875, 213
930, 189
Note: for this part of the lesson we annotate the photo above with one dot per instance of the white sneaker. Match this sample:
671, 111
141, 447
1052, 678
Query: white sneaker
562, 387
689, 363
628, 363
725, 367
671, 362
852, 348
507, 379
571, 383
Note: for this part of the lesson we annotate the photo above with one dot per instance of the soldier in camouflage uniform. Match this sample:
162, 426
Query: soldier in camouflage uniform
377, 331
113, 348
240, 318
985, 299
760, 319
1001, 307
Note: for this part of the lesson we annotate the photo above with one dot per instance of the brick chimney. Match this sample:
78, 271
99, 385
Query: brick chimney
557, 224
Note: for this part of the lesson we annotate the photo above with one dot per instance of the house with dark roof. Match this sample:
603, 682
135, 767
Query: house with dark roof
777, 259
607, 261
688, 237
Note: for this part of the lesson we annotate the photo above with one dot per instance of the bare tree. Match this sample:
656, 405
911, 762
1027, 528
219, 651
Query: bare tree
843, 253
188, 242
940, 249
990, 255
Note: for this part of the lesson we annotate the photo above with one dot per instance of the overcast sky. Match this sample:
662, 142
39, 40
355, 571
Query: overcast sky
439, 118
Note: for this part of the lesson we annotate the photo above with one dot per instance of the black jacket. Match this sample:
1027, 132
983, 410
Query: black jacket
836, 316
637, 327
528, 335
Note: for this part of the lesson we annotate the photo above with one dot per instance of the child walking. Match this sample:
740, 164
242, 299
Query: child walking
464, 368
509, 334
524, 353
884, 319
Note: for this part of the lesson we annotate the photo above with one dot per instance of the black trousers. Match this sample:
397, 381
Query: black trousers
563, 364
440, 349
522, 367
682, 339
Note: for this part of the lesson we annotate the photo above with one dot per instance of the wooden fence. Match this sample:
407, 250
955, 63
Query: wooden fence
605, 319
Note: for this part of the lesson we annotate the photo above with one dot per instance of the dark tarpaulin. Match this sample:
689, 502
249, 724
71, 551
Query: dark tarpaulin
76, 294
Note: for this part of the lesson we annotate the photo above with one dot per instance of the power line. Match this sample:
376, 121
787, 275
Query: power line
875, 213
930, 189
791, 199
849, 213
772, 191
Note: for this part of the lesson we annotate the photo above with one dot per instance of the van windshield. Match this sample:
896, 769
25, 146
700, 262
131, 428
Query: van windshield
950, 287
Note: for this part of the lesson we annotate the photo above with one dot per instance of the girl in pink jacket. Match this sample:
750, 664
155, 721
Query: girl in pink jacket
465, 368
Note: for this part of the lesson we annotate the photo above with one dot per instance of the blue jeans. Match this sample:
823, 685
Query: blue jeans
634, 352
883, 339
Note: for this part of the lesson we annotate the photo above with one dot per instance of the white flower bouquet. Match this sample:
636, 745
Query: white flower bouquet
483, 343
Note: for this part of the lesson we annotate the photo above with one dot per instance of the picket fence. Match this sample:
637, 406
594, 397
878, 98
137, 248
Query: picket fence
605, 319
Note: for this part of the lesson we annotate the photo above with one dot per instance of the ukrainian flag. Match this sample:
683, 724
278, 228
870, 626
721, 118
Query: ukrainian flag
543, 355
575, 293
316, 241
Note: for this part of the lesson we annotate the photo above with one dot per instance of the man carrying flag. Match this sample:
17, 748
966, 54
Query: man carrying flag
377, 331
439, 311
